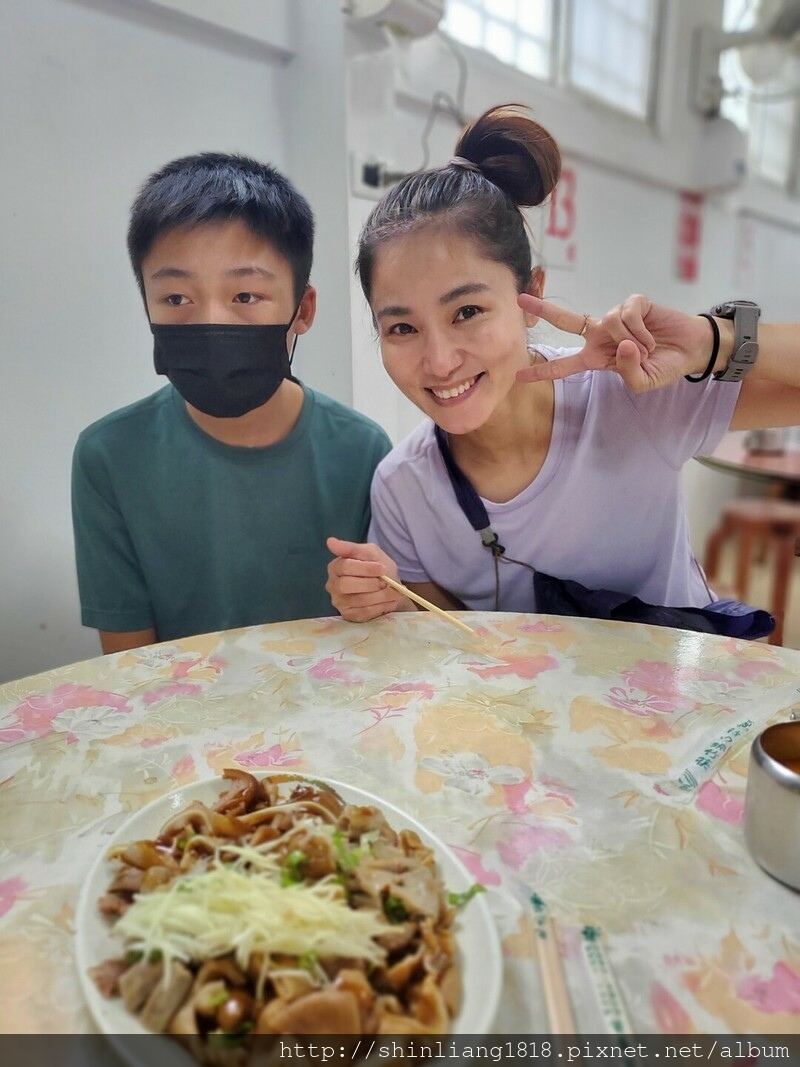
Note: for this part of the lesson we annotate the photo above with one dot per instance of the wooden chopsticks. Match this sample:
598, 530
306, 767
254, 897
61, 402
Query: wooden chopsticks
423, 603
559, 1010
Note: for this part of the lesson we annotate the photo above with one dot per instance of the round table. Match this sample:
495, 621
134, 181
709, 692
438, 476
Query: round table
732, 456
599, 765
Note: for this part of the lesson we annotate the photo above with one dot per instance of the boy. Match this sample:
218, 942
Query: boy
206, 506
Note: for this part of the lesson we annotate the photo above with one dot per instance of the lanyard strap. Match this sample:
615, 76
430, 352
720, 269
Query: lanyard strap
468, 499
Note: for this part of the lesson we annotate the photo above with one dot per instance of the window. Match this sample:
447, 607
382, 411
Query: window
517, 32
762, 103
612, 49
605, 48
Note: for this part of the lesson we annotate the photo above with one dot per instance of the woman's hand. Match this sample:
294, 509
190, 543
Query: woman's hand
354, 581
647, 344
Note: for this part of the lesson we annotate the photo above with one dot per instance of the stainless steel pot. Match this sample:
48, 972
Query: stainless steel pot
772, 802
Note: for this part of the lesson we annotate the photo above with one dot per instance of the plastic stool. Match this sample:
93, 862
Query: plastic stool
776, 522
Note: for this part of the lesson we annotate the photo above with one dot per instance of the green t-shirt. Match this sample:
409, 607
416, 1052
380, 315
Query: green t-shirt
178, 531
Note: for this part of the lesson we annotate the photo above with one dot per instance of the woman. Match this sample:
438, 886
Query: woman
575, 454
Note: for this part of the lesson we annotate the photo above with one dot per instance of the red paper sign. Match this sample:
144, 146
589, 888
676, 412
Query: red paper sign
690, 236
562, 220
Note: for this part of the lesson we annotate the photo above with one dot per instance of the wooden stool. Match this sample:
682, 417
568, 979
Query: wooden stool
775, 521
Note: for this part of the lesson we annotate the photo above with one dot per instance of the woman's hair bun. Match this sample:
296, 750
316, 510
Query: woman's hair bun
513, 152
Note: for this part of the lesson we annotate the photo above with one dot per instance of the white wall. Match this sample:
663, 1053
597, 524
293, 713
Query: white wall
97, 94
102, 92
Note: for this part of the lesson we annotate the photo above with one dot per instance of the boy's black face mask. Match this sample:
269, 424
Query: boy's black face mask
223, 370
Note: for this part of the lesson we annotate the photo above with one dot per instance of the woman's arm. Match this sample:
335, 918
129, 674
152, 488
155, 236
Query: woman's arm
651, 346
770, 394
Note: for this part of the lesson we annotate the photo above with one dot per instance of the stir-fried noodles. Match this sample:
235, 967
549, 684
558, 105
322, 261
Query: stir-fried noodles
281, 910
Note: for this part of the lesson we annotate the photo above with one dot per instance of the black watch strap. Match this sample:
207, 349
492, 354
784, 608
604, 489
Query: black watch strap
745, 315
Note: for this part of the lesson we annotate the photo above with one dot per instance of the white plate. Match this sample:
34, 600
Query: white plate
476, 934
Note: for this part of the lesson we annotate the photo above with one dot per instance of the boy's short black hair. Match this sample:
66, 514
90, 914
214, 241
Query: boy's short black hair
217, 187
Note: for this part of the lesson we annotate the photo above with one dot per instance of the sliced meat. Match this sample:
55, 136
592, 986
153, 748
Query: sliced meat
244, 794
400, 974
428, 1006
224, 967
142, 854
200, 819
418, 891
397, 937
291, 986
153, 877
321, 795
356, 820
319, 852
138, 982
328, 1012
405, 879
166, 998
106, 976
350, 980
127, 879
114, 903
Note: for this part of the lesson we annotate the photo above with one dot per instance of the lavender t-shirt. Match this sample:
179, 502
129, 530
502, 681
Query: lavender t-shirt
606, 508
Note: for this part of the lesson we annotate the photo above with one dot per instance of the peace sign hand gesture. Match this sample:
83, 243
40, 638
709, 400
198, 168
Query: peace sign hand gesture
647, 344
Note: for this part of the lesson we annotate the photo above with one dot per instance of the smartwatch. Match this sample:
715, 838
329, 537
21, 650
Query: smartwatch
745, 315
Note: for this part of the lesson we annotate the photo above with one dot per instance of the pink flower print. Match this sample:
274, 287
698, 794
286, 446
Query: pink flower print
328, 670
515, 796
671, 1016
652, 676
473, 861
170, 689
528, 840
519, 666
35, 715
275, 756
471, 773
183, 770
10, 891
751, 668
780, 993
724, 806
640, 702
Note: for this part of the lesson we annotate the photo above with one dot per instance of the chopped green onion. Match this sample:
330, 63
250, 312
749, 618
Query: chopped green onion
458, 900
395, 910
309, 961
291, 873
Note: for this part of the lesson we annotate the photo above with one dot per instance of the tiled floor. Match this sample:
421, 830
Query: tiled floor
759, 592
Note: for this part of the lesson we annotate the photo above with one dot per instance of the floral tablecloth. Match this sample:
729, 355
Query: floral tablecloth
601, 766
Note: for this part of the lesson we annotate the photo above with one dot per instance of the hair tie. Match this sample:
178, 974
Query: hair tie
714, 351
465, 164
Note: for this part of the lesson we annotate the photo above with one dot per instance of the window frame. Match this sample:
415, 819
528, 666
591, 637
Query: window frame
655, 63
560, 54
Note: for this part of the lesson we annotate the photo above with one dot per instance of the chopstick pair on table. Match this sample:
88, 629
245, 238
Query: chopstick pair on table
423, 603
557, 1000
559, 1009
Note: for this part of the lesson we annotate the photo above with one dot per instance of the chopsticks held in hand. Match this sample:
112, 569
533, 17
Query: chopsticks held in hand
423, 603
